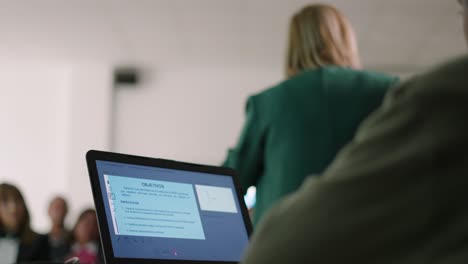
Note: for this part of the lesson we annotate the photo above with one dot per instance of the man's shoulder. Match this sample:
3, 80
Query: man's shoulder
451, 74
447, 80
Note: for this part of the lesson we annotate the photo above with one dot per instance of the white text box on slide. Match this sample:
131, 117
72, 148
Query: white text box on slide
217, 199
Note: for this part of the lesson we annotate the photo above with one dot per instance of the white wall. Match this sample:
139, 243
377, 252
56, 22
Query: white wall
33, 136
51, 115
89, 128
190, 113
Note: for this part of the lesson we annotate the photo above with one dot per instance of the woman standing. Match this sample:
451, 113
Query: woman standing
296, 128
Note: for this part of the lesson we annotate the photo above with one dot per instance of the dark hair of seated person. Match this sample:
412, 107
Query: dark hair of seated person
85, 240
15, 226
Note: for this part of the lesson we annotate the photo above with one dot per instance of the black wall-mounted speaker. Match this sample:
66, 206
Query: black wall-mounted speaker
126, 76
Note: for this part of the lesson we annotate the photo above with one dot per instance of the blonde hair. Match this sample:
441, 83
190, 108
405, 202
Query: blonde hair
320, 35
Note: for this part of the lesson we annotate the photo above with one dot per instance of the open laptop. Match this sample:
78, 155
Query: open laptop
161, 211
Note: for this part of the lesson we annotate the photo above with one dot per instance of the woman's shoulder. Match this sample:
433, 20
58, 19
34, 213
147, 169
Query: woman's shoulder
278, 89
301, 81
315, 80
321, 76
279, 93
348, 73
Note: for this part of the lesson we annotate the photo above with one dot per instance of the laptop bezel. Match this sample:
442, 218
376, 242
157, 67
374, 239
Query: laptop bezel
93, 156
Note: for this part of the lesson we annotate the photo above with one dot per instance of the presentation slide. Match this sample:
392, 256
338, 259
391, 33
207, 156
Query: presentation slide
141, 207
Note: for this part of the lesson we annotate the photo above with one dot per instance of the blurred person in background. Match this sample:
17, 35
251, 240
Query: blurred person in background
296, 128
59, 236
396, 194
85, 239
18, 242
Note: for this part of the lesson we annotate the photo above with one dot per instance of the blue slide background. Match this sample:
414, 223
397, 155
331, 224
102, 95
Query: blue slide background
225, 233
170, 211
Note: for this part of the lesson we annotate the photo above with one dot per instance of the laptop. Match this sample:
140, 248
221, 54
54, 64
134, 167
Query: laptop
163, 211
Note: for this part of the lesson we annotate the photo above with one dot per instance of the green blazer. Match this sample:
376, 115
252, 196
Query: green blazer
398, 193
296, 128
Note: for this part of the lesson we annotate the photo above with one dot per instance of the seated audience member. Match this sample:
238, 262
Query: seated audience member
18, 242
85, 239
59, 236
397, 194
295, 128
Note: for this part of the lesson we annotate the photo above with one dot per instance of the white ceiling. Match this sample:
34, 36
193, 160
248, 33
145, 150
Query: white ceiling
396, 35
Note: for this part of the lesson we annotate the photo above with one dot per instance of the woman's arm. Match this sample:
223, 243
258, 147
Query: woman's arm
247, 157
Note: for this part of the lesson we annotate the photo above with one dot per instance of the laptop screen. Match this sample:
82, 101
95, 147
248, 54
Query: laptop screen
159, 213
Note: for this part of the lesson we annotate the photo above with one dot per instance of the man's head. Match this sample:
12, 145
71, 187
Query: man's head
58, 210
464, 4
